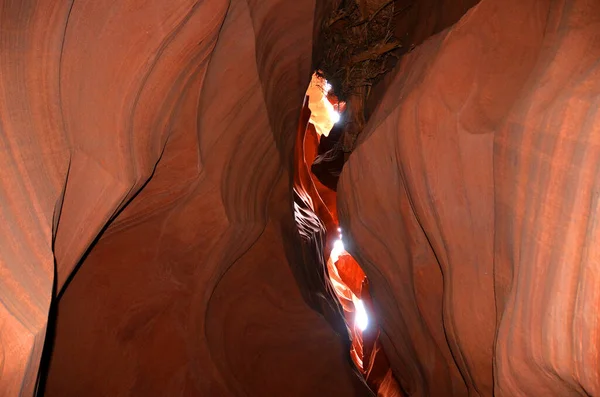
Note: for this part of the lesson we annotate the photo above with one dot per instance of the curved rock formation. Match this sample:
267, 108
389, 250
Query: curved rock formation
471, 203
162, 131
146, 154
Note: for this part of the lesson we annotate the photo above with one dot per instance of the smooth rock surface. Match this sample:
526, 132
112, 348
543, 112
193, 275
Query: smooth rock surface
146, 162
471, 203
160, 134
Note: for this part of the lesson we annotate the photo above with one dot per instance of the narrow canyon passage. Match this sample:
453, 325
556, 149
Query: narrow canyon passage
177, 220
318, 163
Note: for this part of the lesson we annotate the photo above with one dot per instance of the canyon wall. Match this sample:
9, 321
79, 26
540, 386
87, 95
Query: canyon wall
472, 201
148, 232
158, 134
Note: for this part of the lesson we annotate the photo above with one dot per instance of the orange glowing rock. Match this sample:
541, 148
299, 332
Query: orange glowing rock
323, 114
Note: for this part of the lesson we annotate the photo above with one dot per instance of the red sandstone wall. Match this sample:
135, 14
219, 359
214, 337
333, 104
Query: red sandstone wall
470, 201
188, 290
472, 204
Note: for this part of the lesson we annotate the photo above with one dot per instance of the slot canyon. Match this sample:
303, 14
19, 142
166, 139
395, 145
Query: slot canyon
187, 210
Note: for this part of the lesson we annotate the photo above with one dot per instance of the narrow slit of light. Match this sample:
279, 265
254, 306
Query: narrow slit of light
337, 250
333, 115
361, 319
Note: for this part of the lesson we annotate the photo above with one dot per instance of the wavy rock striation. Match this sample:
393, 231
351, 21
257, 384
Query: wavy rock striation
471, 204
146, 154
159, 134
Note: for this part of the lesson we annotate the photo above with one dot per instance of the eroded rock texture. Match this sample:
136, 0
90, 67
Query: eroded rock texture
472, 203
170, 125
145, 159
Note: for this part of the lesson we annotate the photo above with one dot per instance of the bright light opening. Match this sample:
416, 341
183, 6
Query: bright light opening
361, 319
337, 250
335, 117
323, 113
